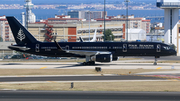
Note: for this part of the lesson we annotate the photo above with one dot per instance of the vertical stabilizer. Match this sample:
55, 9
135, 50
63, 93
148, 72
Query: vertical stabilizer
20, 33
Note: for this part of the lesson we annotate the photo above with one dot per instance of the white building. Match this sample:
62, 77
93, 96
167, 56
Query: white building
171, 18
30, 17
136, 34
5, 31
87, 14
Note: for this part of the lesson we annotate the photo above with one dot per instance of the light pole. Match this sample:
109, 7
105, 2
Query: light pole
126, 19
89, 26
104, 19
111, 37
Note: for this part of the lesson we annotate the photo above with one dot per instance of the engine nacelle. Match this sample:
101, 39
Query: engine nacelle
103, 58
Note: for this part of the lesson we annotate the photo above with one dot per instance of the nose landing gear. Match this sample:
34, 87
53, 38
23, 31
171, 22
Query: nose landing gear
155, 62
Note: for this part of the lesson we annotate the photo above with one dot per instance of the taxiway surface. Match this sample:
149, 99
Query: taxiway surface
74, 65
121, 64
77, 78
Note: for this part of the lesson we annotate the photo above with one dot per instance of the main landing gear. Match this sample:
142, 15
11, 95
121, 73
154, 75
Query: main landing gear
155, 62
89, 61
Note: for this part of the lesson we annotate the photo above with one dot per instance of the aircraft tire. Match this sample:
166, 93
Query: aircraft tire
155, 63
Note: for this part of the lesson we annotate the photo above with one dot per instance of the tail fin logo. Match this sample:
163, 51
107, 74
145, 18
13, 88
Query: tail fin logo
21, 36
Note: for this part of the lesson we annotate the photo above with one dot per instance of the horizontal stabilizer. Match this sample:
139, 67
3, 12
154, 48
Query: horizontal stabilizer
18, 47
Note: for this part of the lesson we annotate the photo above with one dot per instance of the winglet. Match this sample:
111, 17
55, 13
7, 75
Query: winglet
58, 46
94, 37
81, 40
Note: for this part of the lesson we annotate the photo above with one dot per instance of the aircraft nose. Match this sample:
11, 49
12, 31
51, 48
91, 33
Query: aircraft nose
173, 52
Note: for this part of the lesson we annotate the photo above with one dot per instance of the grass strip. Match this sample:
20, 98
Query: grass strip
14, 72
163, 86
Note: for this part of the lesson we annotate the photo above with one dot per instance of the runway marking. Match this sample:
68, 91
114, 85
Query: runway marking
159, 68
43, 67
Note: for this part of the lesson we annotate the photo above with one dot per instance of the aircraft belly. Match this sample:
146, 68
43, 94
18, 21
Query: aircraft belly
137, 53
56, 54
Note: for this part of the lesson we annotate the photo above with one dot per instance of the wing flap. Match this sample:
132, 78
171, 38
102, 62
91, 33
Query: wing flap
83, 52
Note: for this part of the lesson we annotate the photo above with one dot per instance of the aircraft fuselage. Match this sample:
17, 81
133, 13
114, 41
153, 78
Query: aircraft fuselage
116, 48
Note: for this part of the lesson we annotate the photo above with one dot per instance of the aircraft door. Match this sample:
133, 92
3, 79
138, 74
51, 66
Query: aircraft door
124, 47
158, 49
37, 48
67, 47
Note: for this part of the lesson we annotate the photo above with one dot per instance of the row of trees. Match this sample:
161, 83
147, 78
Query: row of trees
1, 39
108, 36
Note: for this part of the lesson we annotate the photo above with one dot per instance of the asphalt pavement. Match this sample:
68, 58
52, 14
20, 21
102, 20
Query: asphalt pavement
87, 96
74, 65
77, 78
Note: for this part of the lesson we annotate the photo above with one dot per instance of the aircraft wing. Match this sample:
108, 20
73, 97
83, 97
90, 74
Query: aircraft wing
81, 52
86, 52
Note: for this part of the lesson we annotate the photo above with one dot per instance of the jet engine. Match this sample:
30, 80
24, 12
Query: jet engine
102, 58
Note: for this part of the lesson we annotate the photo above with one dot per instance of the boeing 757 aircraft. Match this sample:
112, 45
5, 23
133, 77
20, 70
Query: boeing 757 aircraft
92, 51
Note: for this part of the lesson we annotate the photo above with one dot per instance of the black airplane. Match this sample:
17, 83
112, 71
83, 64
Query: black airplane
92, 51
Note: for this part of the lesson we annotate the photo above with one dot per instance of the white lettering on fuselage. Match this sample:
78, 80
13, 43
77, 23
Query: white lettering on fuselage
131, 46
48, 48
141, 46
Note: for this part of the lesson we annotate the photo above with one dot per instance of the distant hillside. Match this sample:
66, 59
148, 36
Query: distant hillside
66, 1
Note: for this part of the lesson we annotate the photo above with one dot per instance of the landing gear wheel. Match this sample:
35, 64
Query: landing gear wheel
155, 62
92, 62
89, 63
84, 63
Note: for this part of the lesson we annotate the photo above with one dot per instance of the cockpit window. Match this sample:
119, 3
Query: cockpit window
167, 47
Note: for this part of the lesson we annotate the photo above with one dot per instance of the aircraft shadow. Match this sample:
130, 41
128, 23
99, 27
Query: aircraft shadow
12, 64
81, 65
116, 65
96, 65
30, 64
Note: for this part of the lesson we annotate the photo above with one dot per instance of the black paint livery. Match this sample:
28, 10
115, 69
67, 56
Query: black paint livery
92, 51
